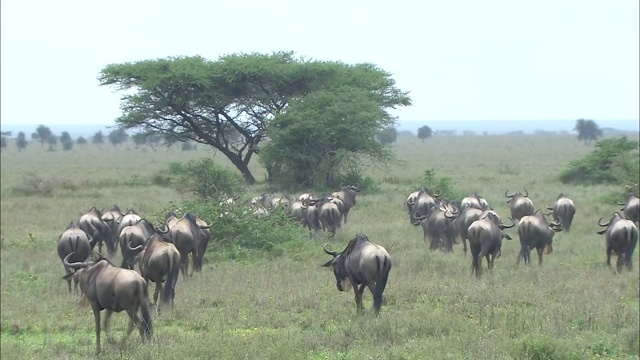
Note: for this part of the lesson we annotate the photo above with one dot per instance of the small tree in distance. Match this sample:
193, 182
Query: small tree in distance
81, 140
587, 130
43, 135
98, 138
388, 135
424, 132
21, 141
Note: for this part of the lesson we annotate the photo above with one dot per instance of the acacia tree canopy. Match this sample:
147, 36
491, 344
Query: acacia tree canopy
229, 103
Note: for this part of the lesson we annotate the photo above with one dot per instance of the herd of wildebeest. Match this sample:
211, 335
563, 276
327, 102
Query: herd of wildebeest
162, 252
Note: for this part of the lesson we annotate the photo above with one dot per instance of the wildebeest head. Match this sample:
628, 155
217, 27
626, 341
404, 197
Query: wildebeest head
515, 195
342, 281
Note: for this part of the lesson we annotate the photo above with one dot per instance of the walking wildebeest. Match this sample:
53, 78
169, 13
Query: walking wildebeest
437, 226
189, 237
159, 261
77, 242
563, 211
621, 238
112, 218
347, 194
111, 288
474, 200
93, 225
361, 263
631, 208
485, 240
519, 204
420, 203
132, 236
536, 232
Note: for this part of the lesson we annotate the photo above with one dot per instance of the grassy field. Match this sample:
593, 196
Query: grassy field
287, 307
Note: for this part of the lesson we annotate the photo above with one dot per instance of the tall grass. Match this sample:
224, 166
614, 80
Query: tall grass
287, 306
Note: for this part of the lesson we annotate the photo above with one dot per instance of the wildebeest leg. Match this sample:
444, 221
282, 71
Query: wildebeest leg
107, 321
96, 317
68, 275
464, 246
194, 260
155, 294
619, 263
540, 251
490, 258
133, 321
609, 249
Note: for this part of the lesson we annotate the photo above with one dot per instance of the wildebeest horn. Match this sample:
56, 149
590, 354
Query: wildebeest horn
411, 201
437, 194
357, 186
452, 216
503, 226
506, 195
526, 193
75, 265
163, 230
330, 252
416, 220
547, 214
133, 248
603, 225
602, 231
621, 203
549, 208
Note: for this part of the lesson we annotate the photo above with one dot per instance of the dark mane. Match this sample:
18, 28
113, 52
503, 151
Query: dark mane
354, 244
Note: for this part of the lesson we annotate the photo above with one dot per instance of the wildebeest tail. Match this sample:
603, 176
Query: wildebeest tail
173, 269
632, 240
384, 267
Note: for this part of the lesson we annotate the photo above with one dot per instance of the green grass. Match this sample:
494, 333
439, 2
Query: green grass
287, 306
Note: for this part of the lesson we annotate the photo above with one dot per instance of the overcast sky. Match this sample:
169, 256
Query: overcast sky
460, 60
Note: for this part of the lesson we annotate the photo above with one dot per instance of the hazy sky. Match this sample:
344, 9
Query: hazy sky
460, 60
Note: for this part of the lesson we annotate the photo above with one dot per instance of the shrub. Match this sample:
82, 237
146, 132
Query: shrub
614, 160
236, 234
441, 184
33, 184
204, 179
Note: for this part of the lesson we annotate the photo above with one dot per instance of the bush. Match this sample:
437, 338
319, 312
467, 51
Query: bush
614, 161
67, 145
33, 184
441, 184
236, 234
202, 178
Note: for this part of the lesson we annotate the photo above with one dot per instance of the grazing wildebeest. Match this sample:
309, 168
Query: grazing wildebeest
631, 208
621, 236
77, 242
485, 240
111, 288
563, 211
113, 218
361, 263
519, 204
159, 262
347, 194
189, 238
421, 203
474, 200
536, 232
437, 226
132, 236
92, 224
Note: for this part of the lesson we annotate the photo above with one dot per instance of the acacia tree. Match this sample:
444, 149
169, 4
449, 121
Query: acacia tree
587, 130
118, 136
98, 138
388, 135
229, 103
43, 135
21, 141
424, 132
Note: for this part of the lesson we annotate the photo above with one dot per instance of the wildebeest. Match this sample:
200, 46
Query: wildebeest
92, 223
361, 263
329, 216
272, 202
631, 208
421, 203
313, 212
189, 238
563, 211
113, 218
474, 200
110, 288
347, 194
437, 226
132, 236
159, 262
465, 219
621, 236
129, 218
77, 242
485, 240
519, 204
535, 232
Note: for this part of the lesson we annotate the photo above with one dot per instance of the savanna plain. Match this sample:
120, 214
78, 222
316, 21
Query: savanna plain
284, 305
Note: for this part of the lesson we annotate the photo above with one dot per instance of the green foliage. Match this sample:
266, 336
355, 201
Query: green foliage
424, 132
388, 135
613, 161
587, 130
205, 179
444, 184
310, 147
238, 235
67, 145
81, 140
42, 134
187, 146
229, 103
